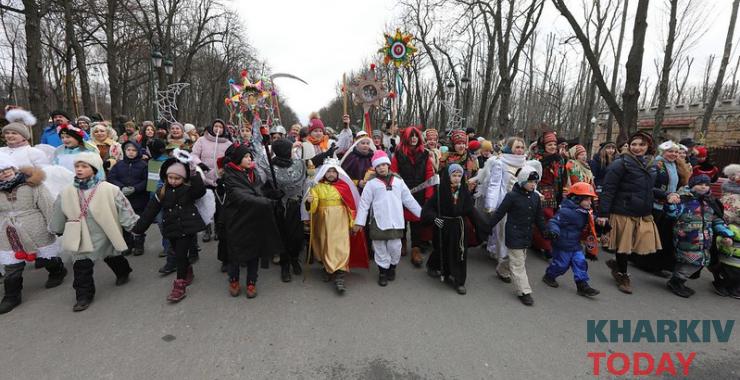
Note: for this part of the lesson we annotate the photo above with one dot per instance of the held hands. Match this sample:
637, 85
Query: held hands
356, 228
309, 198
601, 221
673, 198
439, 222
345, 120
727, 242
127, 190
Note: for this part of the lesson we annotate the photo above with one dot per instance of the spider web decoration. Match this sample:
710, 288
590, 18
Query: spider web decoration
454, 116
167, 101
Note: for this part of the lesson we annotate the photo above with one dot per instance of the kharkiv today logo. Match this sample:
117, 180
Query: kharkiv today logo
660, 332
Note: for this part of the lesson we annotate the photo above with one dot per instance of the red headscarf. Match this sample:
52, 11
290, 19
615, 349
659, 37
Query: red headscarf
406, 148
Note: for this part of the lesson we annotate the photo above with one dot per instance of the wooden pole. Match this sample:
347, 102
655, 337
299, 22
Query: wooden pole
344, 93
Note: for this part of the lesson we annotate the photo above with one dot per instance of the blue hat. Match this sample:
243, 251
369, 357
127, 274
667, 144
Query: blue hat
699, 179
454, 168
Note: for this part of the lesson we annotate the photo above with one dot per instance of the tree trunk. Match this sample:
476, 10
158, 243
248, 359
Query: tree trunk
80, 58
615, 72
114, 80
633, 72
665, 73
34, 68
722, 67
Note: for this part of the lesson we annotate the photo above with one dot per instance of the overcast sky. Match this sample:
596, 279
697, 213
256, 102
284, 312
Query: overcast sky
318, 40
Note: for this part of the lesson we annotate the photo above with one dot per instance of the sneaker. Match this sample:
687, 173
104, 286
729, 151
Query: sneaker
234, 288
550, 281
585, 290
720, 290
251, 290
677, 287
461, 290
526, 299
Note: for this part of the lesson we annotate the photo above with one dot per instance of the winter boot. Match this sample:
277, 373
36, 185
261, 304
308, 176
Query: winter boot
677, 287
119, 266
189, 276
382, 276
207, 233
138, 249
391, 274
13, 285
416, 258
551, 282
234, 288
251, 290
285, 273
178, 291
296, 264
585, 290
339, 281
83, 284
57, 272
623, 283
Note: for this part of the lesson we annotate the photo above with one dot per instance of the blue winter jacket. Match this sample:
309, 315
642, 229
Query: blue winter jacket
568, 224
134, 173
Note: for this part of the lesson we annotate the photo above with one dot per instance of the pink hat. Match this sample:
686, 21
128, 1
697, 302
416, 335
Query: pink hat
379, 157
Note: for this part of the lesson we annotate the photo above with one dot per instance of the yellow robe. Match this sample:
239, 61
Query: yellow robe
330, 227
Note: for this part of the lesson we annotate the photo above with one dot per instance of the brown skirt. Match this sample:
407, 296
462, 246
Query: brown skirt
633, 234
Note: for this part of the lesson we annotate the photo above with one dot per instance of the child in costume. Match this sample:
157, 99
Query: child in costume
522, 209
249, 217
448, 209
25, 208
385, 195
567, 229
130, 175
332, 204
90, 215
729, 256
73, 143
696, 223
181, 220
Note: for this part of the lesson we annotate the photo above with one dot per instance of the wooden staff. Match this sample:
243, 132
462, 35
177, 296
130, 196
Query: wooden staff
344, 92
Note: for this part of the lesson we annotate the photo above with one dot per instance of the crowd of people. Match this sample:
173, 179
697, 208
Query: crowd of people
90, 191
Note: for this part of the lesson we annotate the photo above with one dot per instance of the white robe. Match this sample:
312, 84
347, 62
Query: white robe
387, 205
27, 156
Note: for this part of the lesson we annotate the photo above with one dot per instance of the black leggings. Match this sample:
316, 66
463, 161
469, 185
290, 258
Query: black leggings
622, 259
181, 246
253, 266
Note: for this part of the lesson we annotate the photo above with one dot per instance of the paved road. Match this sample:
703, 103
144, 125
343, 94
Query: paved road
416, 328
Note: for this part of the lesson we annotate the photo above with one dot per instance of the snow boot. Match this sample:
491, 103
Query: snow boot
382, 276
677, 287
83, 283
13, 282
57, 272
391, 274
551, 282
339, 281
178, 291
119, 265
585, 290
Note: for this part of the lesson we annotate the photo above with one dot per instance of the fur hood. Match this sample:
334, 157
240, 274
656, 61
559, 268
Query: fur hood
34, 176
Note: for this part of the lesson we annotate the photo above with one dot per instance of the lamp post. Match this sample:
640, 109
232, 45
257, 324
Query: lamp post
465, 84
168, 66
154, 63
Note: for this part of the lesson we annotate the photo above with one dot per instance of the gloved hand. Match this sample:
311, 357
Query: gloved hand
550, 235
592, 257
127, 190
439, 222
331, 150
106, 164
204, 167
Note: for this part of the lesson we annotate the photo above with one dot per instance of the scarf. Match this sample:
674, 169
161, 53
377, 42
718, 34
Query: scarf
86, 184
584, 170
513, 160
731, 187
323, 143
9, 185
387, 180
